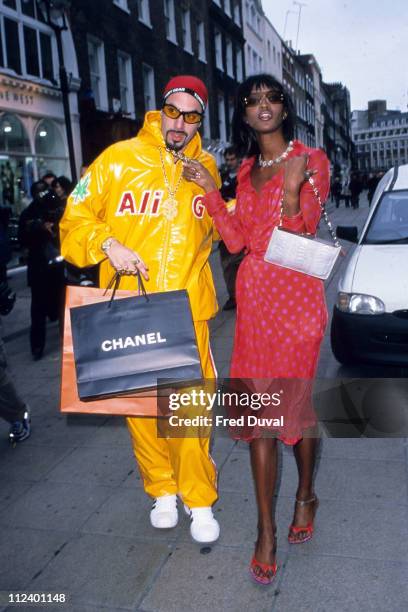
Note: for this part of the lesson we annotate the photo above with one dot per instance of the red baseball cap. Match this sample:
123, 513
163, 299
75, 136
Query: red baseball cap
188, 84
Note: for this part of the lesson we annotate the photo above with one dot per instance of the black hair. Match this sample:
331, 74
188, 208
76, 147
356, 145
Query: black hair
48, 175
64, 182
37, 187
243, 136
229, 151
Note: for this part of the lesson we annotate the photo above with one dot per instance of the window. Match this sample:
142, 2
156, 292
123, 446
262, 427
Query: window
46, 56
237, 14
31, 51
13, 136
122, 4
201, 41
144, 12
252, 17
227, 7
97, 71
206, 124
221, 118
230, 112
170, 20
239, 70
127, 102
28, 8
186, 30
26, 47
218, 50
148, 88
13, 60
10, 4
230, 66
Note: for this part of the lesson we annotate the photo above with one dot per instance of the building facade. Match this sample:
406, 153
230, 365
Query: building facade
272, 50
380, 137
298, 80
33, 137
337, 138
253, 28
315, 86
127, 58
227, 70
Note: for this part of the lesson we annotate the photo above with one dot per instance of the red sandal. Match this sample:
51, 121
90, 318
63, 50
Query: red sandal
309, 528
265, 568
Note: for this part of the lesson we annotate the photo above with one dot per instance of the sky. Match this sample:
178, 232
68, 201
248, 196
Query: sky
362, 43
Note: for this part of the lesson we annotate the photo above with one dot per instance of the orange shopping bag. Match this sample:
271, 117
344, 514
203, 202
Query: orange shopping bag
139, 404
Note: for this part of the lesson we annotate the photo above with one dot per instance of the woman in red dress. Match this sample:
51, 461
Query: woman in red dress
281, 314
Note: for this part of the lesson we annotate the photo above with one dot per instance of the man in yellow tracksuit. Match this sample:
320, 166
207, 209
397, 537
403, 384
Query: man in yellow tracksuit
133, 209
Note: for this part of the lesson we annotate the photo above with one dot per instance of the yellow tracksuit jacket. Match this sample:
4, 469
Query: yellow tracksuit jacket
123, 194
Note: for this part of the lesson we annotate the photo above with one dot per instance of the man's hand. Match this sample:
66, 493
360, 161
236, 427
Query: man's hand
196, 172
126, 261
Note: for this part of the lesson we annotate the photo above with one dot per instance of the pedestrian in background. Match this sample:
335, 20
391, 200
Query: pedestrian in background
39, 232
62, 187
281, 313
230, 261
336, 190
12, 407
356, 187
345, 191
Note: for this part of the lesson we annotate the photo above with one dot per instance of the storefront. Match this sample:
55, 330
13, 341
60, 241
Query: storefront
32, 139
32, 126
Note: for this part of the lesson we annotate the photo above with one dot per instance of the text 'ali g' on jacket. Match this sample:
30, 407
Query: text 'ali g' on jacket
125, 194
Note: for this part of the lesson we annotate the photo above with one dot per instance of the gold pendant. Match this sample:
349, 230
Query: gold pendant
170, 208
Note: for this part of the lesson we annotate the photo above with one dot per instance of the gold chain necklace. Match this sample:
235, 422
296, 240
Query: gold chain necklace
170, 205
179, 156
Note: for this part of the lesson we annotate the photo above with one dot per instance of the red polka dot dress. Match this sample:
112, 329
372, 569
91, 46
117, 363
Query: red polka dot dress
281, 314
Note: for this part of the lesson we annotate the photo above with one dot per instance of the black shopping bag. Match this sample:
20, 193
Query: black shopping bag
131, 344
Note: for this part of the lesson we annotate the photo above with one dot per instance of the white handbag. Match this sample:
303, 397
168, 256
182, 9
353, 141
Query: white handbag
303, 252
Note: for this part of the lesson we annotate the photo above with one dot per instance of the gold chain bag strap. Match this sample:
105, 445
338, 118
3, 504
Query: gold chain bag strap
304, 252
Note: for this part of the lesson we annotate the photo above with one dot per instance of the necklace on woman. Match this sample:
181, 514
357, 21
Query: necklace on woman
271, 162
170, 205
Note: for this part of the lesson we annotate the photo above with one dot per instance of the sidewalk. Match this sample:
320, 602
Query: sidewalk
74, 517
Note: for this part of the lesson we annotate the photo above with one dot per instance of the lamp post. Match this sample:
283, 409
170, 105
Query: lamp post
55, 13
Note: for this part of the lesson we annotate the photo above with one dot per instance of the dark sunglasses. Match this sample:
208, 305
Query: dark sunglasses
174, 113
274, 97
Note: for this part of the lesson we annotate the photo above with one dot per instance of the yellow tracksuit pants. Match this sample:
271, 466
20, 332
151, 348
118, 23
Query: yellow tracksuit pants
182, 466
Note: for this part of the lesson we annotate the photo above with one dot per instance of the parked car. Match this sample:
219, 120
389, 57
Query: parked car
370, 318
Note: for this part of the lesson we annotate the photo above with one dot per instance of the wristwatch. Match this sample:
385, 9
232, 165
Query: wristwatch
106, 244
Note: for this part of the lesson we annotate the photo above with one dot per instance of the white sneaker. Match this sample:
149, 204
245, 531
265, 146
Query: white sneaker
204, 527
164, 513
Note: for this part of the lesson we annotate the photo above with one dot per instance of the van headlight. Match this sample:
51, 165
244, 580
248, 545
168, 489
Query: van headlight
358, 303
